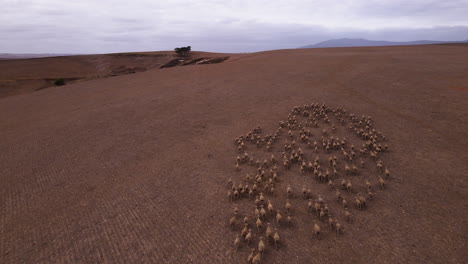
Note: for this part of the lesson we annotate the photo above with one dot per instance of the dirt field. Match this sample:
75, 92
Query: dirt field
134, 168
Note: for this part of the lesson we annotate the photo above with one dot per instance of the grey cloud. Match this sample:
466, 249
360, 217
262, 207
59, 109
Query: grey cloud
224, 26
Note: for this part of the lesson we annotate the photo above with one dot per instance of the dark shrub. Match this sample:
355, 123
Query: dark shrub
59, 82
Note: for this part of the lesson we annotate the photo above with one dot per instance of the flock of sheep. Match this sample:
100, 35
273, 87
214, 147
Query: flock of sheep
312, 146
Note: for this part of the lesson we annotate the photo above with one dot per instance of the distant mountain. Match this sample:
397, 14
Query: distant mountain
346, 42
14, 56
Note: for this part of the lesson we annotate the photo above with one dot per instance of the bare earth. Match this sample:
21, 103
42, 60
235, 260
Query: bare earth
134, 168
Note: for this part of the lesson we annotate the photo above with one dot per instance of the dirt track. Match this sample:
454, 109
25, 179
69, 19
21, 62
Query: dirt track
133, 169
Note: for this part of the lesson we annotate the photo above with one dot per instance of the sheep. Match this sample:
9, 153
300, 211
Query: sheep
289, 219
232, 221
262, 212
236, 242
275, 177
362, 199
380, 167
322, 215
325, 209
370, 195
317, 208
246, 220
331, 222
257, 259
288, 191
345, 203
309, 193
278, 217
347, 215
359, 204
251, 256
304, 192
237, 167
273, 159
362, 163
320, 199
317, 230
257, 212
235, 210
248, 237
276, 238
347, 169
338, 228
310, 205
343, 184
261, 246
382, 183
262, 199
288, 205
259, 224
270, 207
338, 195
349, 186
330, 184
369, 185
387, 173
269, 232
236, 194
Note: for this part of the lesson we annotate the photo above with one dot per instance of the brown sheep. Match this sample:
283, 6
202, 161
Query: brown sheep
289, 219
347, 215
248, 237
382, 183
349, 186
289, 191
369, 185
236, 242
270, 207
257, 259
278, 217
251, 256
276, 237
310, 205
338, 195
262, 212
317, 230
288, 205
233, 221
261, 246
259, 224
269, 232
338, 228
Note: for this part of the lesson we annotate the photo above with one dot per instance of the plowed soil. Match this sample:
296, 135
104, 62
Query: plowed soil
134, 168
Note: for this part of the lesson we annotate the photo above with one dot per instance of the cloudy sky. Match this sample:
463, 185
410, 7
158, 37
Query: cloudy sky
102, 26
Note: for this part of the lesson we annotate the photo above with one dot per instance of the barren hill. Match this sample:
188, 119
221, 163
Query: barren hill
28, 75
134, 168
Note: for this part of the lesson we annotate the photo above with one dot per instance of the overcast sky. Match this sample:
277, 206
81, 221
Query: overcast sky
103, 26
